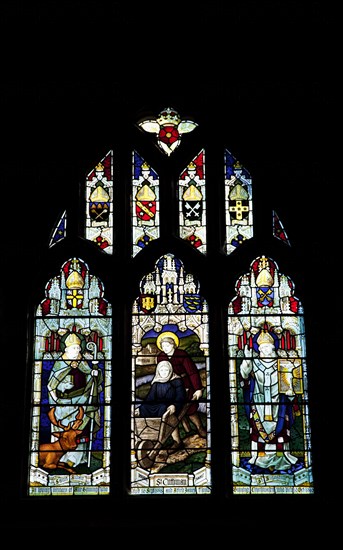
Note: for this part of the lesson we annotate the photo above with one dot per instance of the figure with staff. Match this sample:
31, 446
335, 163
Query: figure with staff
73, 382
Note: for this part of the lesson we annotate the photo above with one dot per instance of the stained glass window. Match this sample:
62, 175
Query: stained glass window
270, 427
192, 203
169, 427
278, 229
238, 203
146, 204
168, 128
98, 175
60, 230
71, 398
170, 384
99, 204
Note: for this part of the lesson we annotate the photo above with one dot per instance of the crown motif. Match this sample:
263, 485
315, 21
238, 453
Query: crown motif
145, 194
72, 340
75, 280
99, 195
99, 167
168, 116
239, 193
264, 278
192, 194
265, 338
145, 166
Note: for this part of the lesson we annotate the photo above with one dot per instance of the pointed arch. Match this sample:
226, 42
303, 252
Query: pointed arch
238, 203
60, 230
145, 208
192, 203
99, 204
271, 437
170, 446
70, 411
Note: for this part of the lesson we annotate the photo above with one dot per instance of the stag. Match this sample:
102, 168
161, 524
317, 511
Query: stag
51, 453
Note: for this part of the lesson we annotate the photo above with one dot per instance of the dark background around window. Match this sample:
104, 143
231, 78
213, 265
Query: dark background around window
258, 78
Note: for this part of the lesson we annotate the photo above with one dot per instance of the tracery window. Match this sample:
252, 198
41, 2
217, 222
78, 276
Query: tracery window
171, 298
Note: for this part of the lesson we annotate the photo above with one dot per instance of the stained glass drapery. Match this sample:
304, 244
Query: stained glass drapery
270, 427
170, 452
71, 398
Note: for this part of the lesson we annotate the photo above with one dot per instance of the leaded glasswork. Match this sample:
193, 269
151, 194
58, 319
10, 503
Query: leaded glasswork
170, 420
99, 204
170, 430
168, 128
146, 204
71, 398
238, 203
279, 230
270, 427
60, 230
192, 203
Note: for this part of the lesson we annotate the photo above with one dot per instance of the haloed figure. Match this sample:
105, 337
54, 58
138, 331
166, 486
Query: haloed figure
184, 366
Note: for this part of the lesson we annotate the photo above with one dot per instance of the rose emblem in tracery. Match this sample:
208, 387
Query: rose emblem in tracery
169, 134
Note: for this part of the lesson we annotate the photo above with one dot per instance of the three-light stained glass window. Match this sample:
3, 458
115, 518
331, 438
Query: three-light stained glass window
166, 358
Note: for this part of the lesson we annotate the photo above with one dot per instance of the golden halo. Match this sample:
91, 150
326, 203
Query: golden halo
167, 334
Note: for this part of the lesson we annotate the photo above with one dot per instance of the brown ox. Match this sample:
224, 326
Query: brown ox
51, 453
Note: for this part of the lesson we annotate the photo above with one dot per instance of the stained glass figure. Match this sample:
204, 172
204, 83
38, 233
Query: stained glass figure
278, 229
192, 203
60, 231
168, 128
238, 203
99, 204
270, 428
170, 384
71, 399
146, 204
